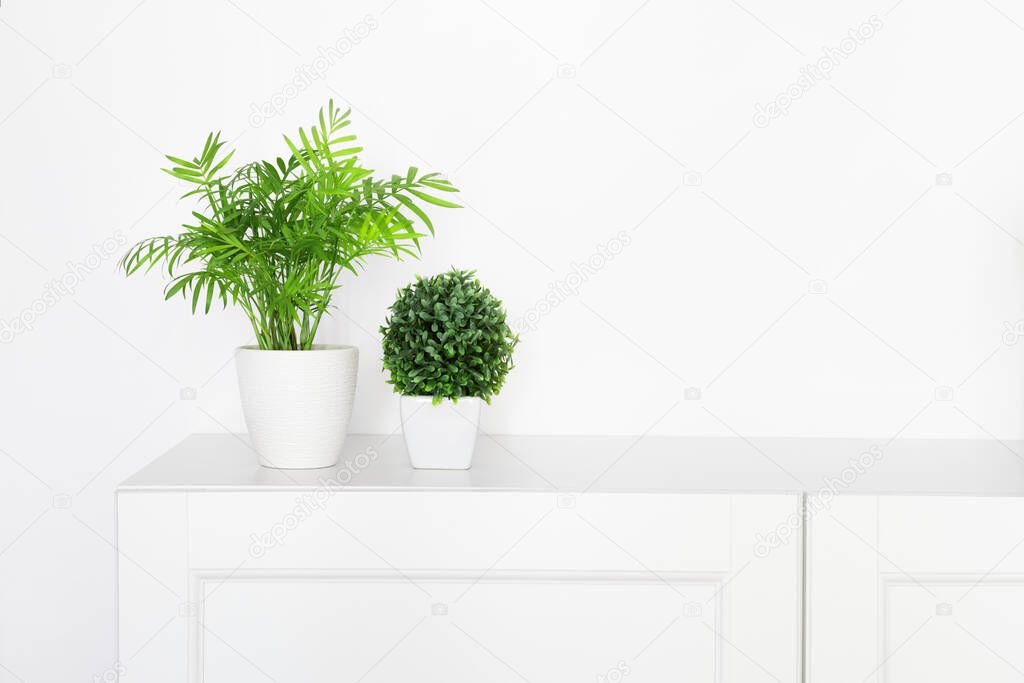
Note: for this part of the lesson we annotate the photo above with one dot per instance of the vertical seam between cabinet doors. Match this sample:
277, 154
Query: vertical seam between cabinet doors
881, 601
724, 615
117, 583
805, 602
193, 606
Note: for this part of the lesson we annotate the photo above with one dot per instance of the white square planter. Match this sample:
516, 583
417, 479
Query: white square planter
440, 437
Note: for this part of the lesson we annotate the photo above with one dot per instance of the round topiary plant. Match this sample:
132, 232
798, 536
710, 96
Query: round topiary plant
446, 337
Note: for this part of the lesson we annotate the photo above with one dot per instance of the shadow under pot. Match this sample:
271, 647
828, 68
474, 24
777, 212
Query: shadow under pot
297, 404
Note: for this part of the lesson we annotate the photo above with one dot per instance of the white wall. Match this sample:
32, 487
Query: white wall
810, 276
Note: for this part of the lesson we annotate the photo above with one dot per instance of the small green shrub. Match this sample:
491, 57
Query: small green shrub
446, 337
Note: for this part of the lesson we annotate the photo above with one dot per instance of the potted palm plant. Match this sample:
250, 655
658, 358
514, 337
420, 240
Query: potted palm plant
273, 238
447, 350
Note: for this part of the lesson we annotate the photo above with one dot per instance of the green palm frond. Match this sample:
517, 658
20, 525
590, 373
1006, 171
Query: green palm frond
273, 237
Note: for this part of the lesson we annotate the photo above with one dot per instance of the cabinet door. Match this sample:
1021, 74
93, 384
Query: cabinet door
907, 589
465, 587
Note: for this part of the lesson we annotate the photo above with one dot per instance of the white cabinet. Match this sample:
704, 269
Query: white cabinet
917, 588
919, 574
229, 572
591, 559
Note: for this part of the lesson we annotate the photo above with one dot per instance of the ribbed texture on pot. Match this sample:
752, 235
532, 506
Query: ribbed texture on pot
297, 404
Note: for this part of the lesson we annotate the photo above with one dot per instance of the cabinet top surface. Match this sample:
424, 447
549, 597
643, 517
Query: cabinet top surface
608, 464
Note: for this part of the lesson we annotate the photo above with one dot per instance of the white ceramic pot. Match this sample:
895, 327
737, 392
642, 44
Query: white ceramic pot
440, 437
297, 404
